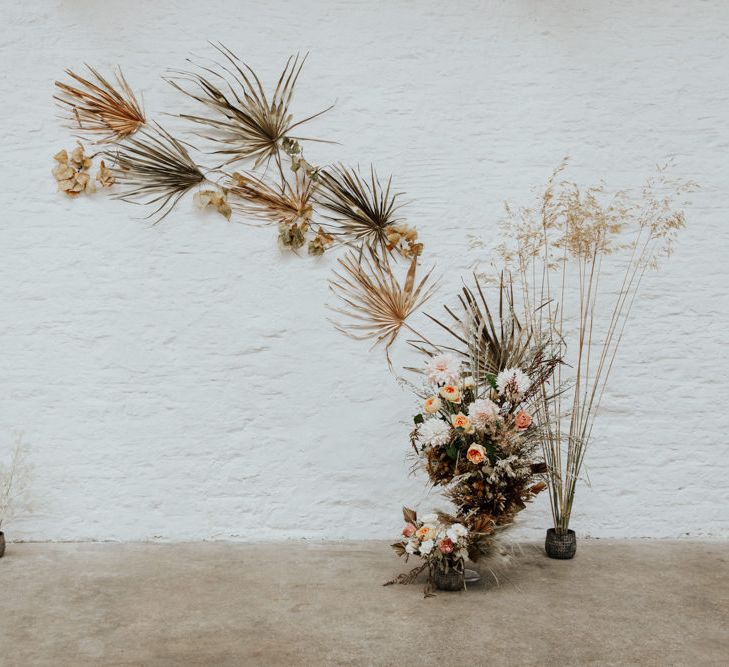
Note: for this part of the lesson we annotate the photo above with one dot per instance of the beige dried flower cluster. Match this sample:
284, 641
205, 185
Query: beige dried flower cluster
403, 238
72, 172
213, 199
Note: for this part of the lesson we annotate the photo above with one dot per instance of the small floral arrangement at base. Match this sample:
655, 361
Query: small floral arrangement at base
443, 543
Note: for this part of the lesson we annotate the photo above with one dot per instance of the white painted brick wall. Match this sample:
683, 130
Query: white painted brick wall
181, 381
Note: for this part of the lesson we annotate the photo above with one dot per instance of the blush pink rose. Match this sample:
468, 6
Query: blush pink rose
409, 530
446, 545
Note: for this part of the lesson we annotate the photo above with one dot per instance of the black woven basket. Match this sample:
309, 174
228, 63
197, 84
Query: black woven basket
560, 545
453, 580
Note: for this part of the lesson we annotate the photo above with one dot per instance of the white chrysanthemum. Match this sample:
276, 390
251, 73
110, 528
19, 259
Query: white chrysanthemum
512, 381
434, 432
411, 547
426, 547
482, 411
429, 518
443, 369
456, 531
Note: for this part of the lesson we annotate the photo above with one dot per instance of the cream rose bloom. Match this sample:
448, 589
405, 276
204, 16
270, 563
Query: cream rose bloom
451, 393
432, 405
426, 532
476, 454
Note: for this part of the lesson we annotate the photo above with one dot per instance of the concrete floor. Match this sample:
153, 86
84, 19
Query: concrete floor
297, 603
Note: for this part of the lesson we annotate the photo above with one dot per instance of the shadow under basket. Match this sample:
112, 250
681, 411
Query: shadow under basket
560, 545
2, 543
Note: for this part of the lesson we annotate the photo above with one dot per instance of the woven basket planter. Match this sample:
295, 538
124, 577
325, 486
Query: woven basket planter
453, 580
560, 545
2, 543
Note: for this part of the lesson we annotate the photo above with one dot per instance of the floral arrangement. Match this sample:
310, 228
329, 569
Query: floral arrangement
439, 540
475, 433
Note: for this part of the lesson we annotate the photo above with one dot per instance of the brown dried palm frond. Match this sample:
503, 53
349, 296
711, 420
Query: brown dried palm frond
360, 209
100, 108
248, 123
373, 298
287, 204
156, 168
487, 342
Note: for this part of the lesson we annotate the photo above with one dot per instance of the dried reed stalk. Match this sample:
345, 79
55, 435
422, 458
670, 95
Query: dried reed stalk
560, 258
98, 107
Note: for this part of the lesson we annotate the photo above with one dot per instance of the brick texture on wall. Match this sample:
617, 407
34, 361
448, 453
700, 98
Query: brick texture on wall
182, 382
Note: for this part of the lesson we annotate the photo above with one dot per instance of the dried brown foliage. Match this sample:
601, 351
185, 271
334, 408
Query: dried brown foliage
97, 106
154, 169
375, 301
246, 121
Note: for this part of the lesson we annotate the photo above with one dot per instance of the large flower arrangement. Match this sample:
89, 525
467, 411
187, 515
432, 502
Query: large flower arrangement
474, 432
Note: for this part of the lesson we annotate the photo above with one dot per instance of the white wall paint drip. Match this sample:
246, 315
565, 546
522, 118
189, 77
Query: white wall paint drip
181, 381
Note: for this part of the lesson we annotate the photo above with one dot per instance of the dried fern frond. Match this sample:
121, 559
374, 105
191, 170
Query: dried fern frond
361, 210
248, 123
376, 302
156, 168
488, 343
286, 204
98, 107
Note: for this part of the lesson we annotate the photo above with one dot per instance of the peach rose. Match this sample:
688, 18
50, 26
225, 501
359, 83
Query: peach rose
445, 545
432, 405
522, 420
461, 421
451, 393
476, 454
426, 532
409, 530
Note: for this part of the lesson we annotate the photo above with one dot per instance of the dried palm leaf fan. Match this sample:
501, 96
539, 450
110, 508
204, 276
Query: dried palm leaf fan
285, 204
99, 108
156, 169
487, 345
377, 304
248, 124
360, 210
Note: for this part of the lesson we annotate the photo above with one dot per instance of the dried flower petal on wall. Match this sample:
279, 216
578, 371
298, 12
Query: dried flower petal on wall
71, 172
215, 199
104, 176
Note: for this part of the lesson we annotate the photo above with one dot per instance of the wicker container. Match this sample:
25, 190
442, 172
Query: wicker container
453, 580
560, 545
2, 543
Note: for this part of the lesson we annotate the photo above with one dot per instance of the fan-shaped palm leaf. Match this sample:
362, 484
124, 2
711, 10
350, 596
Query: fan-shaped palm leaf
360, 210
374, 300
98, 107
156, 168
247, 122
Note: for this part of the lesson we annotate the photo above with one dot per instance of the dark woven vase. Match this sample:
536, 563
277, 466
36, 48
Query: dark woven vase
560, 545
453, 580
2, 543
